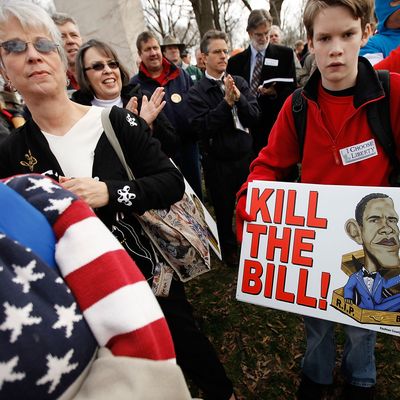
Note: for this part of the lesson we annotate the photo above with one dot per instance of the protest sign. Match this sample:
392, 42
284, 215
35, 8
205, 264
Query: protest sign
330, 252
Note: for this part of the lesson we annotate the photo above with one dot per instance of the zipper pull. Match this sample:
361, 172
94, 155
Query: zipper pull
336, 155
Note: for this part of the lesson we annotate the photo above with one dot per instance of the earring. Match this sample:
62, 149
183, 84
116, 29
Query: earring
68, 82
8, 86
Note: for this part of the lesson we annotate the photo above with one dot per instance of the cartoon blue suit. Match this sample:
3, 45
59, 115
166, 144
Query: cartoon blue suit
374, 300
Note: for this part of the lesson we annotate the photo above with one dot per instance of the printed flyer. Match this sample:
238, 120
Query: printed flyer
330, 252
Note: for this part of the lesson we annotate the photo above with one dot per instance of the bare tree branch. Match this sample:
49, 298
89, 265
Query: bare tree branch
247, 5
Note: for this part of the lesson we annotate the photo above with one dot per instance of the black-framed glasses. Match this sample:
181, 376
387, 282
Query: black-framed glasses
42, 45
99, 66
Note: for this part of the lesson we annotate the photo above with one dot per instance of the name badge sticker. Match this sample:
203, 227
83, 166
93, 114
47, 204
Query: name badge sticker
358, 152
271, 62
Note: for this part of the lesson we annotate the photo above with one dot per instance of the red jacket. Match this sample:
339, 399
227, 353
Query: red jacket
391, 62
321, 162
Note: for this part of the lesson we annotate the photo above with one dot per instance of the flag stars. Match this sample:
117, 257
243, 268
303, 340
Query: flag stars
7, 373
60, 281
25, 275
59, 205
56, 368
66, 318
17, 318
42, 183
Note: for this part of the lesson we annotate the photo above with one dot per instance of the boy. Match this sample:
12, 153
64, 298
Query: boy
341, 86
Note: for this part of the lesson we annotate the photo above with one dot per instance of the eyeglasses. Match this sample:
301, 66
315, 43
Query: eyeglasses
17, 46
219, 51
99, 66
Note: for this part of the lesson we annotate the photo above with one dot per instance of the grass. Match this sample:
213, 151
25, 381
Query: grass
262, 348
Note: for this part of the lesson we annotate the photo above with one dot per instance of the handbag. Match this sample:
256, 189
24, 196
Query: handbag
180, 233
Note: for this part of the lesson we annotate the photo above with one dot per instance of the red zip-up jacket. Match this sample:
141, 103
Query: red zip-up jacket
321, 162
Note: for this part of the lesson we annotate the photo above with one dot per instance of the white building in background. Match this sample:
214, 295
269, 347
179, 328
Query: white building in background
116, 22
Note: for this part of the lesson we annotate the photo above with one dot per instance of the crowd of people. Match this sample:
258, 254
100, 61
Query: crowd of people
217, 120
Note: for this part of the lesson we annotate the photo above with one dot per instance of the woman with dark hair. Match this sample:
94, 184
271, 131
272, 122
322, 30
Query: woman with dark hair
103, 82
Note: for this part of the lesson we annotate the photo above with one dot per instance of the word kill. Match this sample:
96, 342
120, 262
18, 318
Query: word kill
277, 208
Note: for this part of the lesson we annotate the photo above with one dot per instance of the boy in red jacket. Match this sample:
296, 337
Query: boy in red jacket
337, 94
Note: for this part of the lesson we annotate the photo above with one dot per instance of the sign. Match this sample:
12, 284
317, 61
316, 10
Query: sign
330, 252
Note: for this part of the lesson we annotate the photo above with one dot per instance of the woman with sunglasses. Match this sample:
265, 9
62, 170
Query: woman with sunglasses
103, 82
66, 140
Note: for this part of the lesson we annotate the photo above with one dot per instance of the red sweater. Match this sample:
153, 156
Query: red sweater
321, 161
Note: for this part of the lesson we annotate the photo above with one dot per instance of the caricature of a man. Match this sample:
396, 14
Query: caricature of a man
375, 227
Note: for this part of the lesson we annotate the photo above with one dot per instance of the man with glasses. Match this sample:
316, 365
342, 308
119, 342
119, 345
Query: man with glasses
262, 61
72, 41
221, 111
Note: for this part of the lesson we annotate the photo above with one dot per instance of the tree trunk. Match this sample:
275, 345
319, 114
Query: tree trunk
203, 10
275, 10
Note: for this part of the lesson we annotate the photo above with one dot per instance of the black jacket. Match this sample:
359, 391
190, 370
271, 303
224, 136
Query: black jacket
211, 119
158, 183
162, 128
281, 60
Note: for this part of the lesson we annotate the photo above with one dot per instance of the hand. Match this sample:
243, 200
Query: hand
241, 216
232, 93
270, 91
132, 105
151, 108
92, 191
348, 301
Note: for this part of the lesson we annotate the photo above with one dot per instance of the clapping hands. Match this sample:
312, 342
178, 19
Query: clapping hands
232, 93
150, 108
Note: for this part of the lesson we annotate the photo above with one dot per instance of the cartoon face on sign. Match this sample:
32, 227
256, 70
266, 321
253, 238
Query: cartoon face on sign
373, 273
375, 227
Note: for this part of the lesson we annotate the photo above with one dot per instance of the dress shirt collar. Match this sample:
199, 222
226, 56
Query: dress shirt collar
221, 78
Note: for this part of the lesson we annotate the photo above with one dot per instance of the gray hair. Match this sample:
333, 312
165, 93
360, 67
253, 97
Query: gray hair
257, 18
63, 18
31, 16
212, 34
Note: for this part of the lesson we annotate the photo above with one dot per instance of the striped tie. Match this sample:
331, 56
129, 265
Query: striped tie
255, 79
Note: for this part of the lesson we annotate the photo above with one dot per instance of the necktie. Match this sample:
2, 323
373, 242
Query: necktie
220, 84
255, 79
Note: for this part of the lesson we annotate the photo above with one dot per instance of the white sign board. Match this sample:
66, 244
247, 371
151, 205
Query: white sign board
306, 252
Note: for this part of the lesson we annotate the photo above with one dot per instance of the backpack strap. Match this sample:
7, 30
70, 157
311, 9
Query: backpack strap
378, 115
299, 111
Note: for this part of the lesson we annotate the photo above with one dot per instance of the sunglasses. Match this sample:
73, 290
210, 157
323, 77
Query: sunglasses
99, 66
17, 46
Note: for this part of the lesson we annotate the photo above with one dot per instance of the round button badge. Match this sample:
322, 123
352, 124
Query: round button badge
176, 98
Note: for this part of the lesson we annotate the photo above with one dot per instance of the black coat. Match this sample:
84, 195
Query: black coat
284, 58
162, 128
210, 117
158, 183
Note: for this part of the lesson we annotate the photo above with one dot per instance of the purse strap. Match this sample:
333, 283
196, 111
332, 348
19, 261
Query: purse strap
112, 138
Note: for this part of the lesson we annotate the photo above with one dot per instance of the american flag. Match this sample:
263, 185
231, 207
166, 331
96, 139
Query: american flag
52, 320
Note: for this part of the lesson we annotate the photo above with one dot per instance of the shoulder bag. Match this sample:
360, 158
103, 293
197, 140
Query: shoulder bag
180, 233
